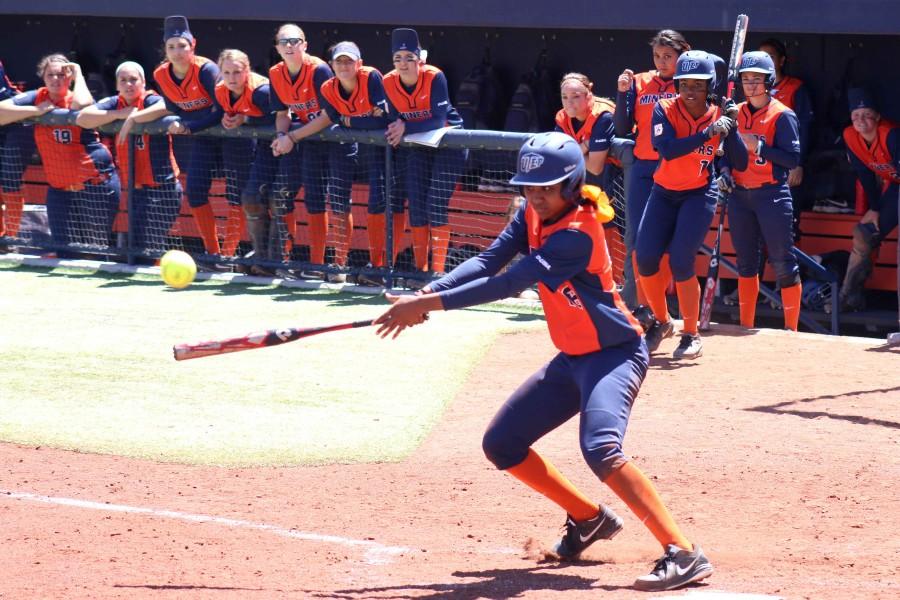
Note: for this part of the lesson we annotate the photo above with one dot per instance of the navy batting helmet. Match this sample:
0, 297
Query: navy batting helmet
758, 61
548, 158
696, 64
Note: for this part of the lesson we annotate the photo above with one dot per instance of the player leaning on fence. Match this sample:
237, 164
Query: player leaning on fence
84, 188
596, 375
157, 191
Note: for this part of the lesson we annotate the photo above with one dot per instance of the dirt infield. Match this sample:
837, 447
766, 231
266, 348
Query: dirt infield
776, 452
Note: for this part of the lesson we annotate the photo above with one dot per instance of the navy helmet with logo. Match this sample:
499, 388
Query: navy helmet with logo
696, 64
758, 61
549, 158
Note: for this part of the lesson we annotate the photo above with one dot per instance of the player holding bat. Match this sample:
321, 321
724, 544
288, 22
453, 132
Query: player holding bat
760, 204
601, 363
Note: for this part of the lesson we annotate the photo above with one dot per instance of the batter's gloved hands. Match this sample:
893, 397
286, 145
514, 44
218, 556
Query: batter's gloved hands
730, 108
721, 127
725, 181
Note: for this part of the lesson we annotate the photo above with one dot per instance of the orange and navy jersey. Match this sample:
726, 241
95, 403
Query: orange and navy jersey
300, 95
585, 131
764, 123
154, 161
243, 105
648, 89
691, 167
785, 91
191, 93
424, 106
569, 261
358, 104
72, 156
882, 156
584, 311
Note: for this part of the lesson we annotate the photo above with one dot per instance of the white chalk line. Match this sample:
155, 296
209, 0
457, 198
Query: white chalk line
375, 553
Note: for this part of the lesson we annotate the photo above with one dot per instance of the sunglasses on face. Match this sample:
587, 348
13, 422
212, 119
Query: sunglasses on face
284, 42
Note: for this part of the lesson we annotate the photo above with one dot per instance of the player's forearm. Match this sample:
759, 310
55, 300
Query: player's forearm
152, 113
311, 128
12, 113
92, 117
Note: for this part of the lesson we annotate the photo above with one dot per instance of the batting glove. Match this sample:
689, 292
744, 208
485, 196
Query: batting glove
721, 127
725, 181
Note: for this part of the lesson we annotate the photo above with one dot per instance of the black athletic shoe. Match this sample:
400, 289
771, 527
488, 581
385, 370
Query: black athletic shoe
657, 333
677, 568
581, 534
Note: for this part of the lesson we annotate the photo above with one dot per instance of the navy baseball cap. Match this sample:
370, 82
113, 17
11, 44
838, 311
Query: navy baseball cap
860, 98
405, 39
177, 26
346, 49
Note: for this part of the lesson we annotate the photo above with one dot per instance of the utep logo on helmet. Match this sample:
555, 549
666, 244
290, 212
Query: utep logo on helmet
531, 161
750, 61
689, 65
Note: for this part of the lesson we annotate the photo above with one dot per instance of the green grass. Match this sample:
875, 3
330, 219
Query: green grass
87, 365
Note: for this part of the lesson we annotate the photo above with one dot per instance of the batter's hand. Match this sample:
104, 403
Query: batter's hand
394, 132
178, 128
795, 177
625, 80
405, 311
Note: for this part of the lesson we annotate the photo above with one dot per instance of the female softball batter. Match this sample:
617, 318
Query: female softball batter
417, 92
187, 83
83, 196
873, 148
355, 98
250, 166
596, 375
760, 207
157, 191
637, 95
682, 202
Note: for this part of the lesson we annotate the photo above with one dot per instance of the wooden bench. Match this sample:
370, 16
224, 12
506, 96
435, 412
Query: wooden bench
476, 218
820, 233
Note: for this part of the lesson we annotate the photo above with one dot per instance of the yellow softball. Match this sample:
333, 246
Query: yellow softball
177, 269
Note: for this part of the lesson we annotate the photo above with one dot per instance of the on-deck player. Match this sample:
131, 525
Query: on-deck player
601, 363
297, 99
760, 207
83, 193
636, 97
355, 98
418, 93
873, 148
157, 191
250, 167
686, 133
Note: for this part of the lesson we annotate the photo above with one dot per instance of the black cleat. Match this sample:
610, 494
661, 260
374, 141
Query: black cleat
657, 333
581, 534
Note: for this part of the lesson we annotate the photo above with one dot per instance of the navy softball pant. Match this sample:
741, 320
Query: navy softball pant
85, 216
16, 146
600, 387
763, 214
677, 223
202, 155
430, 177
307, 166
640, 182
153, 211
238, 156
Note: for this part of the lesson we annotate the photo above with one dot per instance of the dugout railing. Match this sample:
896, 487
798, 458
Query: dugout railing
478, 208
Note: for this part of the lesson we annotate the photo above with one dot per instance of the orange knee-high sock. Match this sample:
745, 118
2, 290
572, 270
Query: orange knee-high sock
234, 226
638, 281
790, 298
637, 492
318, 230
540, 475
655, 290
375, 229
420, 247
399, 228
206, 223
343, 226
15, 202
748, 292
689, 302
440, 241
666, 270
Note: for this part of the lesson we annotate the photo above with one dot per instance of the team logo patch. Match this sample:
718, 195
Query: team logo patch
750, 61
689, 65
572, 297
657, 129
531, 161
